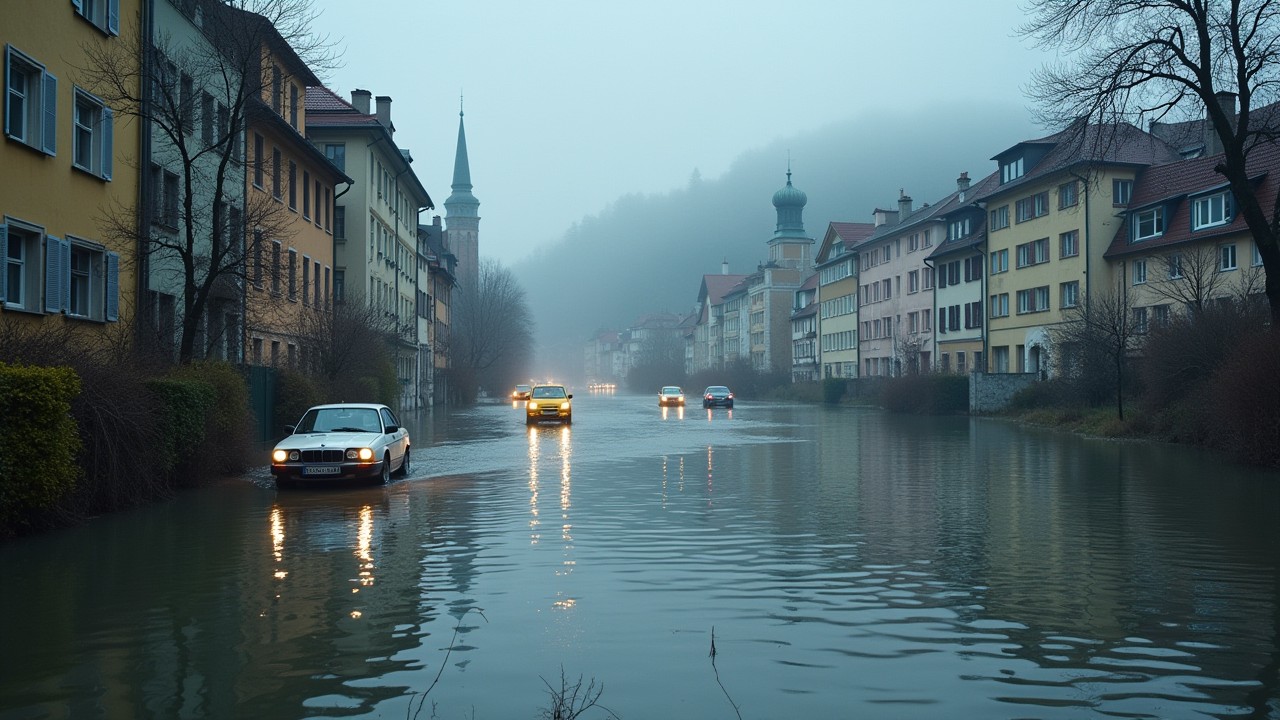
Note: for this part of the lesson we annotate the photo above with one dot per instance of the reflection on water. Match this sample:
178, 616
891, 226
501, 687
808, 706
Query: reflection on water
852, 564
672, 413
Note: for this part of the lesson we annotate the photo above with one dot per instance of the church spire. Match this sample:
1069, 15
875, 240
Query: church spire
461, 202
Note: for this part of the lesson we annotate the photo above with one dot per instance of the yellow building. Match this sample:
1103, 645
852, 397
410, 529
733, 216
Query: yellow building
1051, 218
290, 189
70, 170
838, 298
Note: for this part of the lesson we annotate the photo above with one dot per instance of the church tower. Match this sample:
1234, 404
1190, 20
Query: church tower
462, 216
790, 247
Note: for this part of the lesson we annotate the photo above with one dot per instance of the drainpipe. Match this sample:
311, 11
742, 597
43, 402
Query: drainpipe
933, 294
145, 191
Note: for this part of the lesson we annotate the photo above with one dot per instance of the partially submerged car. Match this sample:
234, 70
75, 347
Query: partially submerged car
549, 402
670, 395
343, 441
717, 396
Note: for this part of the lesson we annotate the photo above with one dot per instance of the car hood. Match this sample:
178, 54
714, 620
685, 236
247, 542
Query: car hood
302, 441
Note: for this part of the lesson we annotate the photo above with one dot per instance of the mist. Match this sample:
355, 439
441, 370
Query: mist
648, 253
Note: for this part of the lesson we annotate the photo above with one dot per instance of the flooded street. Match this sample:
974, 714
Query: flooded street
842, 563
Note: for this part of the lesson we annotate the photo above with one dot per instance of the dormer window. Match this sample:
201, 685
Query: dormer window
958, 229
1148, 224
1211, 210
1011, 170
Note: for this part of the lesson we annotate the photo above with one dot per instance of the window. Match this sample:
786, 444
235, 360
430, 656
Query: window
337, 154
999, 261
339, 286
1226, 257
973, 268
1121, 191
958, 229
206, 119
306, 280
327, 204
30, 102
277, 96
1173, 264
1033, 253
1000, 305
340, 223
1000, 218
276, 179
928, 278
275, 267
913, 281
1067, 195
169, 200
102, 14
91, 146
1211, 211
1257, 256
1011, 170
316, 286
1069, 244
293, 274
293, 105
258, 169
973, 314
1140, 320
1160, 315
92, 281
1148, 223
1033, 300
187, 103
293, 185
257, 258
21, 280
1070, 293
1139, 272
1032, 207
306, 194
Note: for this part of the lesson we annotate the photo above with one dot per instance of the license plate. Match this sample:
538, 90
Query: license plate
321, 470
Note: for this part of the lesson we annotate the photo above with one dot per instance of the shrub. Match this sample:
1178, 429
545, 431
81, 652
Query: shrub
926, 394
226, 434
1246, 405
833, 389
38, 441
184, 408
295, 393
1047, 394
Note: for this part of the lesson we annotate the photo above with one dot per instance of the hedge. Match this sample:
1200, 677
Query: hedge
39, 440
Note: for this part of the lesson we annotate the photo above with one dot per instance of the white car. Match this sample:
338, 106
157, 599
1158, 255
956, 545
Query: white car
345, 441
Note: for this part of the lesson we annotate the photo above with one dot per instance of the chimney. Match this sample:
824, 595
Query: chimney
724, 266
435, 221
962, 185
1213, 143
884, 217
904, 205
360, 99
384, 112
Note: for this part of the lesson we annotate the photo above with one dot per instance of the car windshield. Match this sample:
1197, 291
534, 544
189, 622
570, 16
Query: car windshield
319, 420
670, 391
548, 392
522, 388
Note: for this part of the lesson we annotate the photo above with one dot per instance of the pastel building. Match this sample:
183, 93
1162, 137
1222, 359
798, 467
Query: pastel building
837, 272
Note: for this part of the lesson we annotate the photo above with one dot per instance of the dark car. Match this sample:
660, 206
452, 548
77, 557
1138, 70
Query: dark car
717, 396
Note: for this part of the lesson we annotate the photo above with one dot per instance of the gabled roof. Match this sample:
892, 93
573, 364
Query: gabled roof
922, 216
1171, 184
978, 231
715, 287
847, 234
1081, 144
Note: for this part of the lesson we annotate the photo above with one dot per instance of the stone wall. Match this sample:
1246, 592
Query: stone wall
992, 392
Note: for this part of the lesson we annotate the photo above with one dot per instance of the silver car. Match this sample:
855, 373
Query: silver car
344, 441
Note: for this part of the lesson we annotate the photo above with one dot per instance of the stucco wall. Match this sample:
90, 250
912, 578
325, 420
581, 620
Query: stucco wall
992, 392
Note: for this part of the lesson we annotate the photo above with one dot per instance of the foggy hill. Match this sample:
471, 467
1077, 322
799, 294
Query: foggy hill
648, 253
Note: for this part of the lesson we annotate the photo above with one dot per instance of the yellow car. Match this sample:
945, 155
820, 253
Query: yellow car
549, 402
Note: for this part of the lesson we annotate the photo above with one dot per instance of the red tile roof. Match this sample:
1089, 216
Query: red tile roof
714, 287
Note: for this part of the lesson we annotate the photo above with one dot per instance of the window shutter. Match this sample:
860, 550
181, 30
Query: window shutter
78, 5
56, 273
108, 123
113, 17
8, 60
4, 261
49, 101
113, 287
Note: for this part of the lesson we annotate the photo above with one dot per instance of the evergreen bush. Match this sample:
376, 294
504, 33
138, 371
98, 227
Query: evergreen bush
38, 441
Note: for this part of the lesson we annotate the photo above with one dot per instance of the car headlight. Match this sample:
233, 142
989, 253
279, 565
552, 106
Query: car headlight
294, 455
366, 454
279, 456
564, 405
532, 405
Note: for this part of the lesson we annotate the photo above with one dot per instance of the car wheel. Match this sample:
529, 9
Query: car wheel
568, 419
528, 420
386, 469
404, 464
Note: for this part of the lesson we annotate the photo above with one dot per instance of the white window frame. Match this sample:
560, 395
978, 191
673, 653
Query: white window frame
1139, 272
1227, 257
94, 292
1211, 211
1000, 261
37, 102
102, 14
1153, 216
1000, 305
1069, 244
1121, 191
1011, 170
1070, 294
94, 125
1000, 218
1173, 264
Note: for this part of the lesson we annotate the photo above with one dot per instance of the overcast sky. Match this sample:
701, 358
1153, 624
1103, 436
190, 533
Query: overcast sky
572, 104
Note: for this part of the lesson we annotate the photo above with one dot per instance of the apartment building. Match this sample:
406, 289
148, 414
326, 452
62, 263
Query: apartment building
837, 272
804, 332
69, 193
960, 281
1058, 203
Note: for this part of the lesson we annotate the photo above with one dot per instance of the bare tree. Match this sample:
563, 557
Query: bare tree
1095, 341
492, 329
659, 361
1141, 61
907, 352
349, 347
1189, 278
189, 227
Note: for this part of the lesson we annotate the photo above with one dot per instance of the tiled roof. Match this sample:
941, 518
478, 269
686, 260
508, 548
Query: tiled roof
978, 232
806, 311
322, 99
1119, 144
1173, 182
326, 109
810, 282
852, 233
716, 286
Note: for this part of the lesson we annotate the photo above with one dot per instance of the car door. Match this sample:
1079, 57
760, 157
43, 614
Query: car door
396, 441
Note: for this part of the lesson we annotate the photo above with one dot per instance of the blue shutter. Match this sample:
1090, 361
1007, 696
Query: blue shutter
8, 60
57, 273
49, 102
108, 124
113, 17
113, 287
78, 5
4, 262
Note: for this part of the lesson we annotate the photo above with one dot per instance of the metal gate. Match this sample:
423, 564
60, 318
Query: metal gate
262, 401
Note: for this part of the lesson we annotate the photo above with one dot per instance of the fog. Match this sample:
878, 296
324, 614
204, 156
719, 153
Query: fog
648, 252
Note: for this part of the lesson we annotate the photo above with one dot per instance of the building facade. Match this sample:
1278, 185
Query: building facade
837, 297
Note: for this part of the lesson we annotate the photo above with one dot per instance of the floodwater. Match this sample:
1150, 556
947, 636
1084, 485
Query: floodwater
773, 561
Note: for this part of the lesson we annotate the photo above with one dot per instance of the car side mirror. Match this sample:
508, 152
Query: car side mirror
288, 429
570, 396
392, 428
